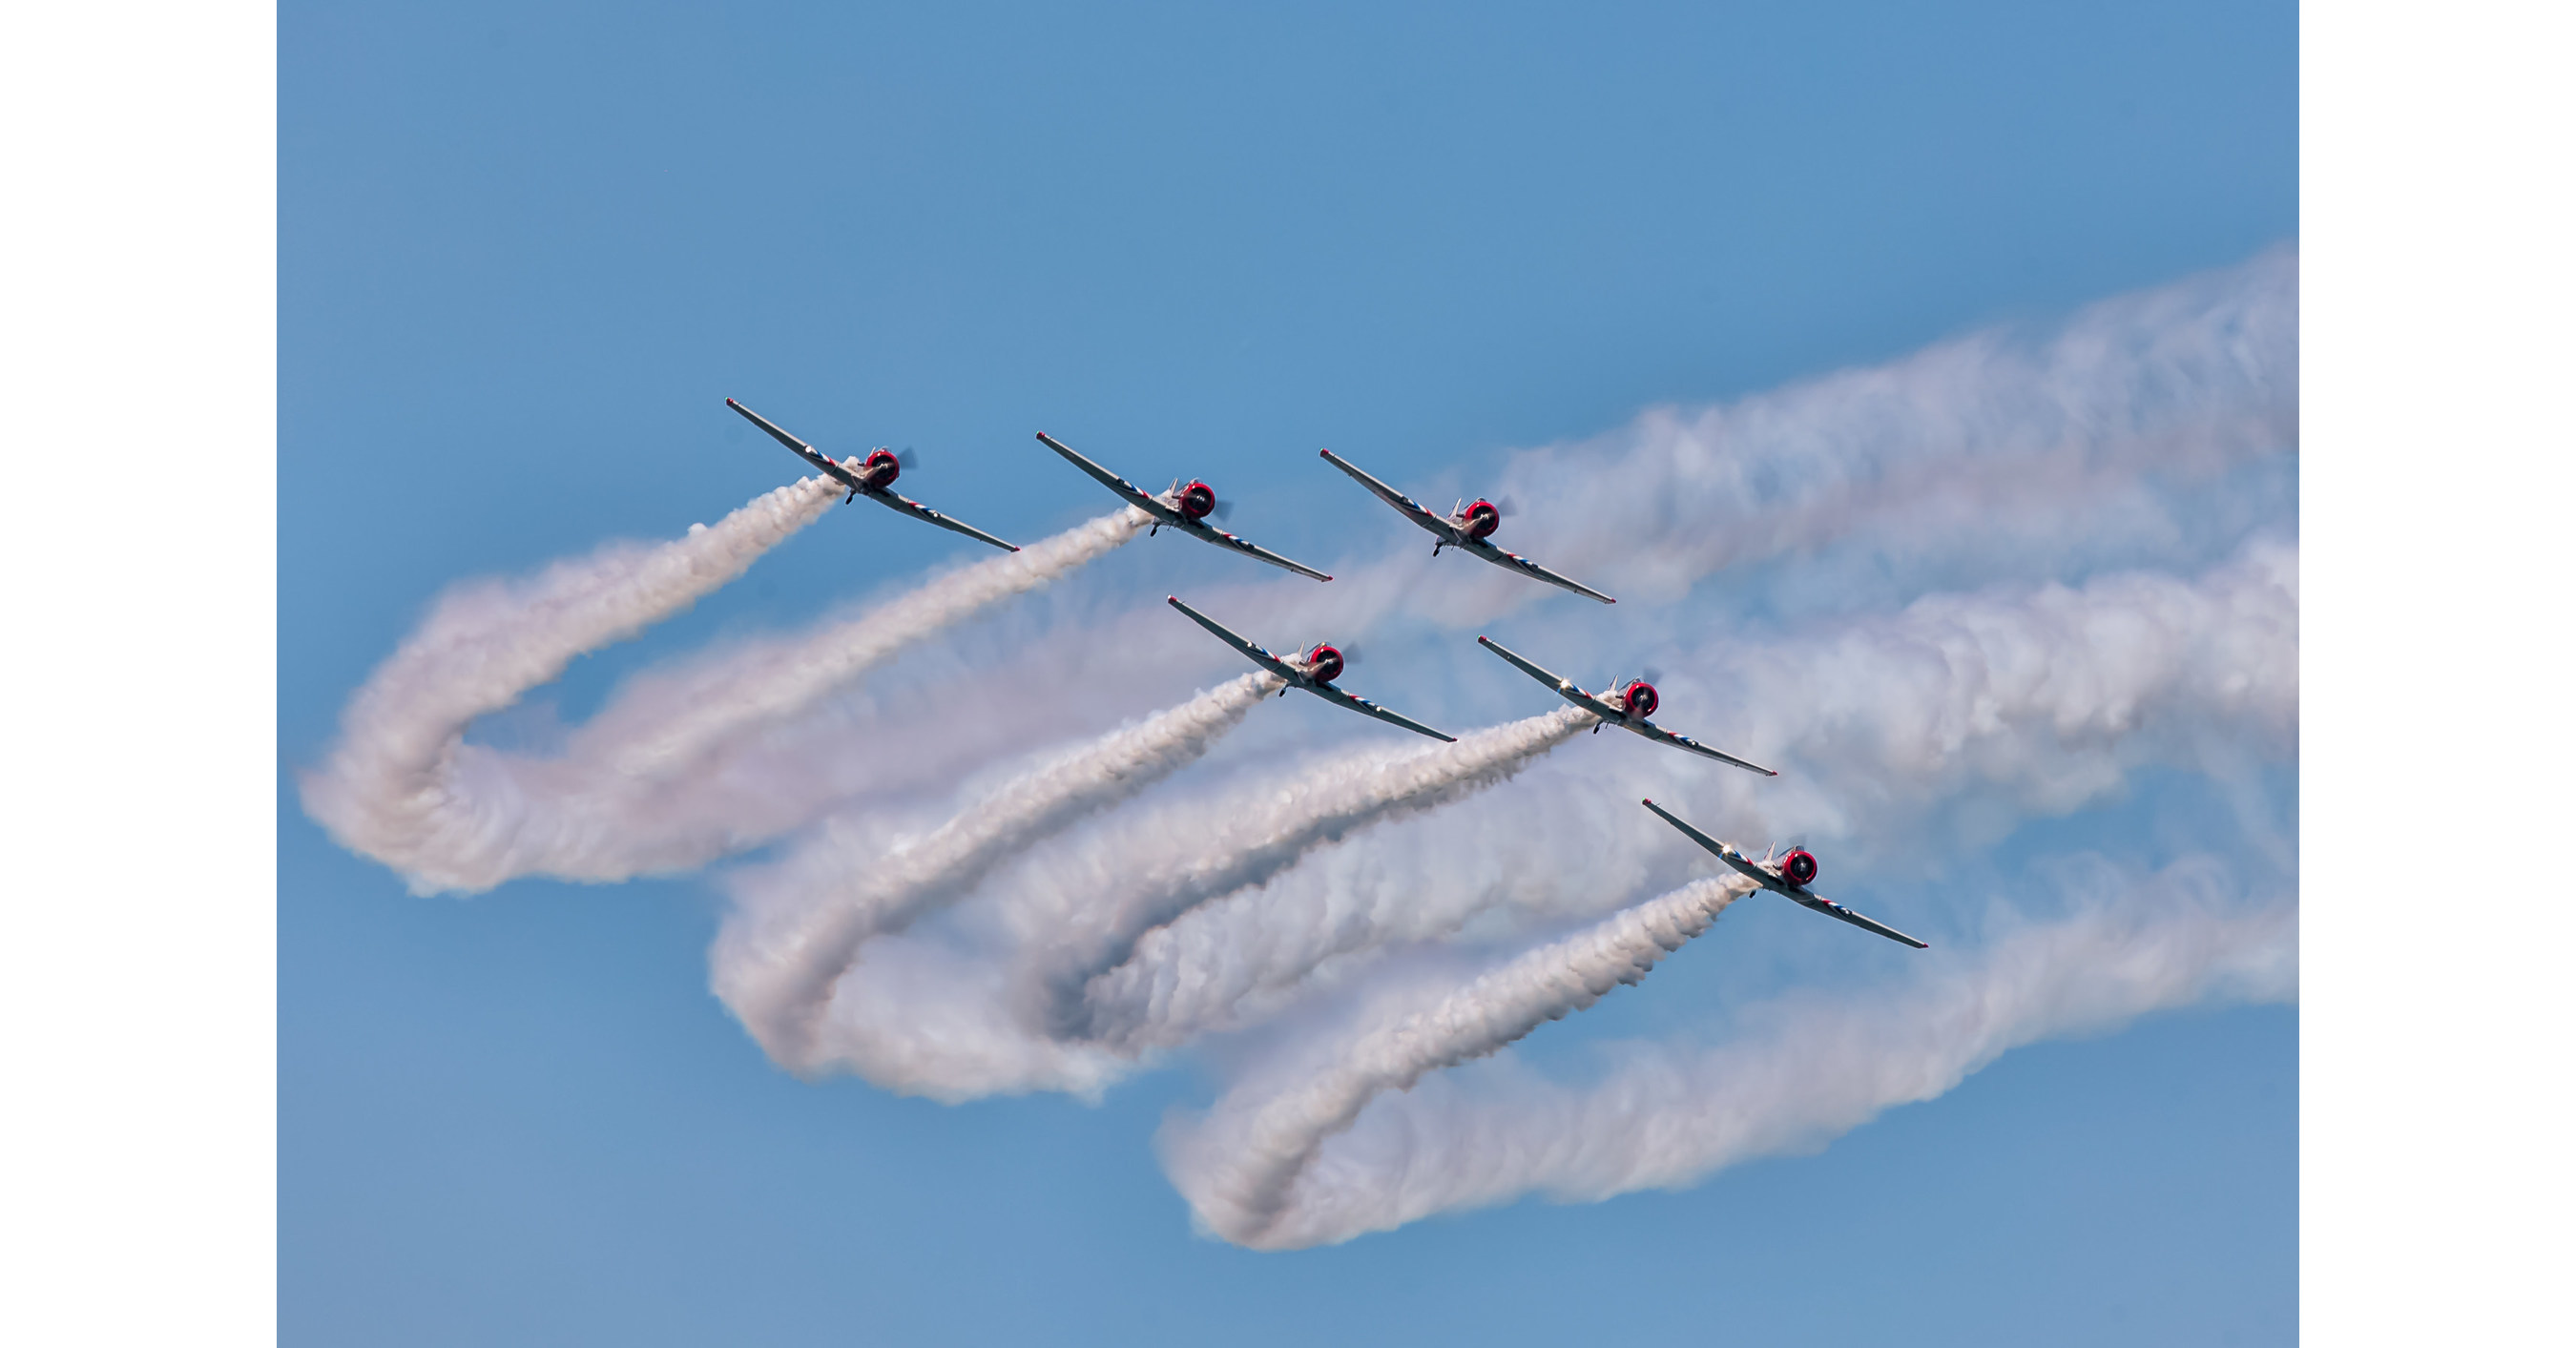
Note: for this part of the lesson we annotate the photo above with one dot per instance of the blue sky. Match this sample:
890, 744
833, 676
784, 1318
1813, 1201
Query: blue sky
523, 258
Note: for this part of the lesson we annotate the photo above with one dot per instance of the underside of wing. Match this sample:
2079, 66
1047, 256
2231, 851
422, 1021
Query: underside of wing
1656, 732
1251, 650
919, 511
1250, 549
801, 449
1514, 561
1404, 504
1367, 708
1832, 909
1109, 479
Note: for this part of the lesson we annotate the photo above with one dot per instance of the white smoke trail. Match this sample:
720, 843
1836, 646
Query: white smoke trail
1259, 1172
1240, 1167
666, 722
388, 789
922, 1017
1949, 720
798, 925
1971, 442
1123, 884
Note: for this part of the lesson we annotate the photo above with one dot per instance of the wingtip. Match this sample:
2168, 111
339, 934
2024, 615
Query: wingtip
1647, 801
731, 403
1325, 452
1171, 599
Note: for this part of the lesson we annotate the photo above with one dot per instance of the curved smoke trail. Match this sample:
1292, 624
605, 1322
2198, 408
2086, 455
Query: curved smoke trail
2005, 704
632, 794
1239, 1168
1667, 1116
799, 924
388, 789
1139, 881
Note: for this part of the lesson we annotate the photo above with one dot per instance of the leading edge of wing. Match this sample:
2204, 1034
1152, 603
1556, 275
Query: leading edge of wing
1829, 908
1344, 698
1564, 687
917, 510
1404, 504
1201, 529
1221, 632
802, 450
1513, 560
1715, 848
1653, 731
1107, 479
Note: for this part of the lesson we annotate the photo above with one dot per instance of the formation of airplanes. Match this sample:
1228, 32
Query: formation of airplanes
1185, 507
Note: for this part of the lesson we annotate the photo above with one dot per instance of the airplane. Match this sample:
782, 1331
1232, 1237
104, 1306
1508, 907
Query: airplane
1466, 529
1626, 707
1788, 876
1185, 508
1313, 671
869, 478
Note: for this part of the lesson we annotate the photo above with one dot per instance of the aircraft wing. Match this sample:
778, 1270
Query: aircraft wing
1655, 732
1564, 687
1832, 909
1250, 650
1405, 505
1367, 708
1718, 849
1769, 880
919, 511
1114, 482
803, 450
1526, 567
1245, 546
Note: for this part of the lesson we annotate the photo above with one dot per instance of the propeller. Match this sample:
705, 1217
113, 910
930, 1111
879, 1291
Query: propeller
1506, 506
907, 459
1224, 509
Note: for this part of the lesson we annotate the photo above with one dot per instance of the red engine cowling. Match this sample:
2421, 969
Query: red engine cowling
1324, 664
882, 468
1799, 867
1198, 500
1639, 699
1483, 519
